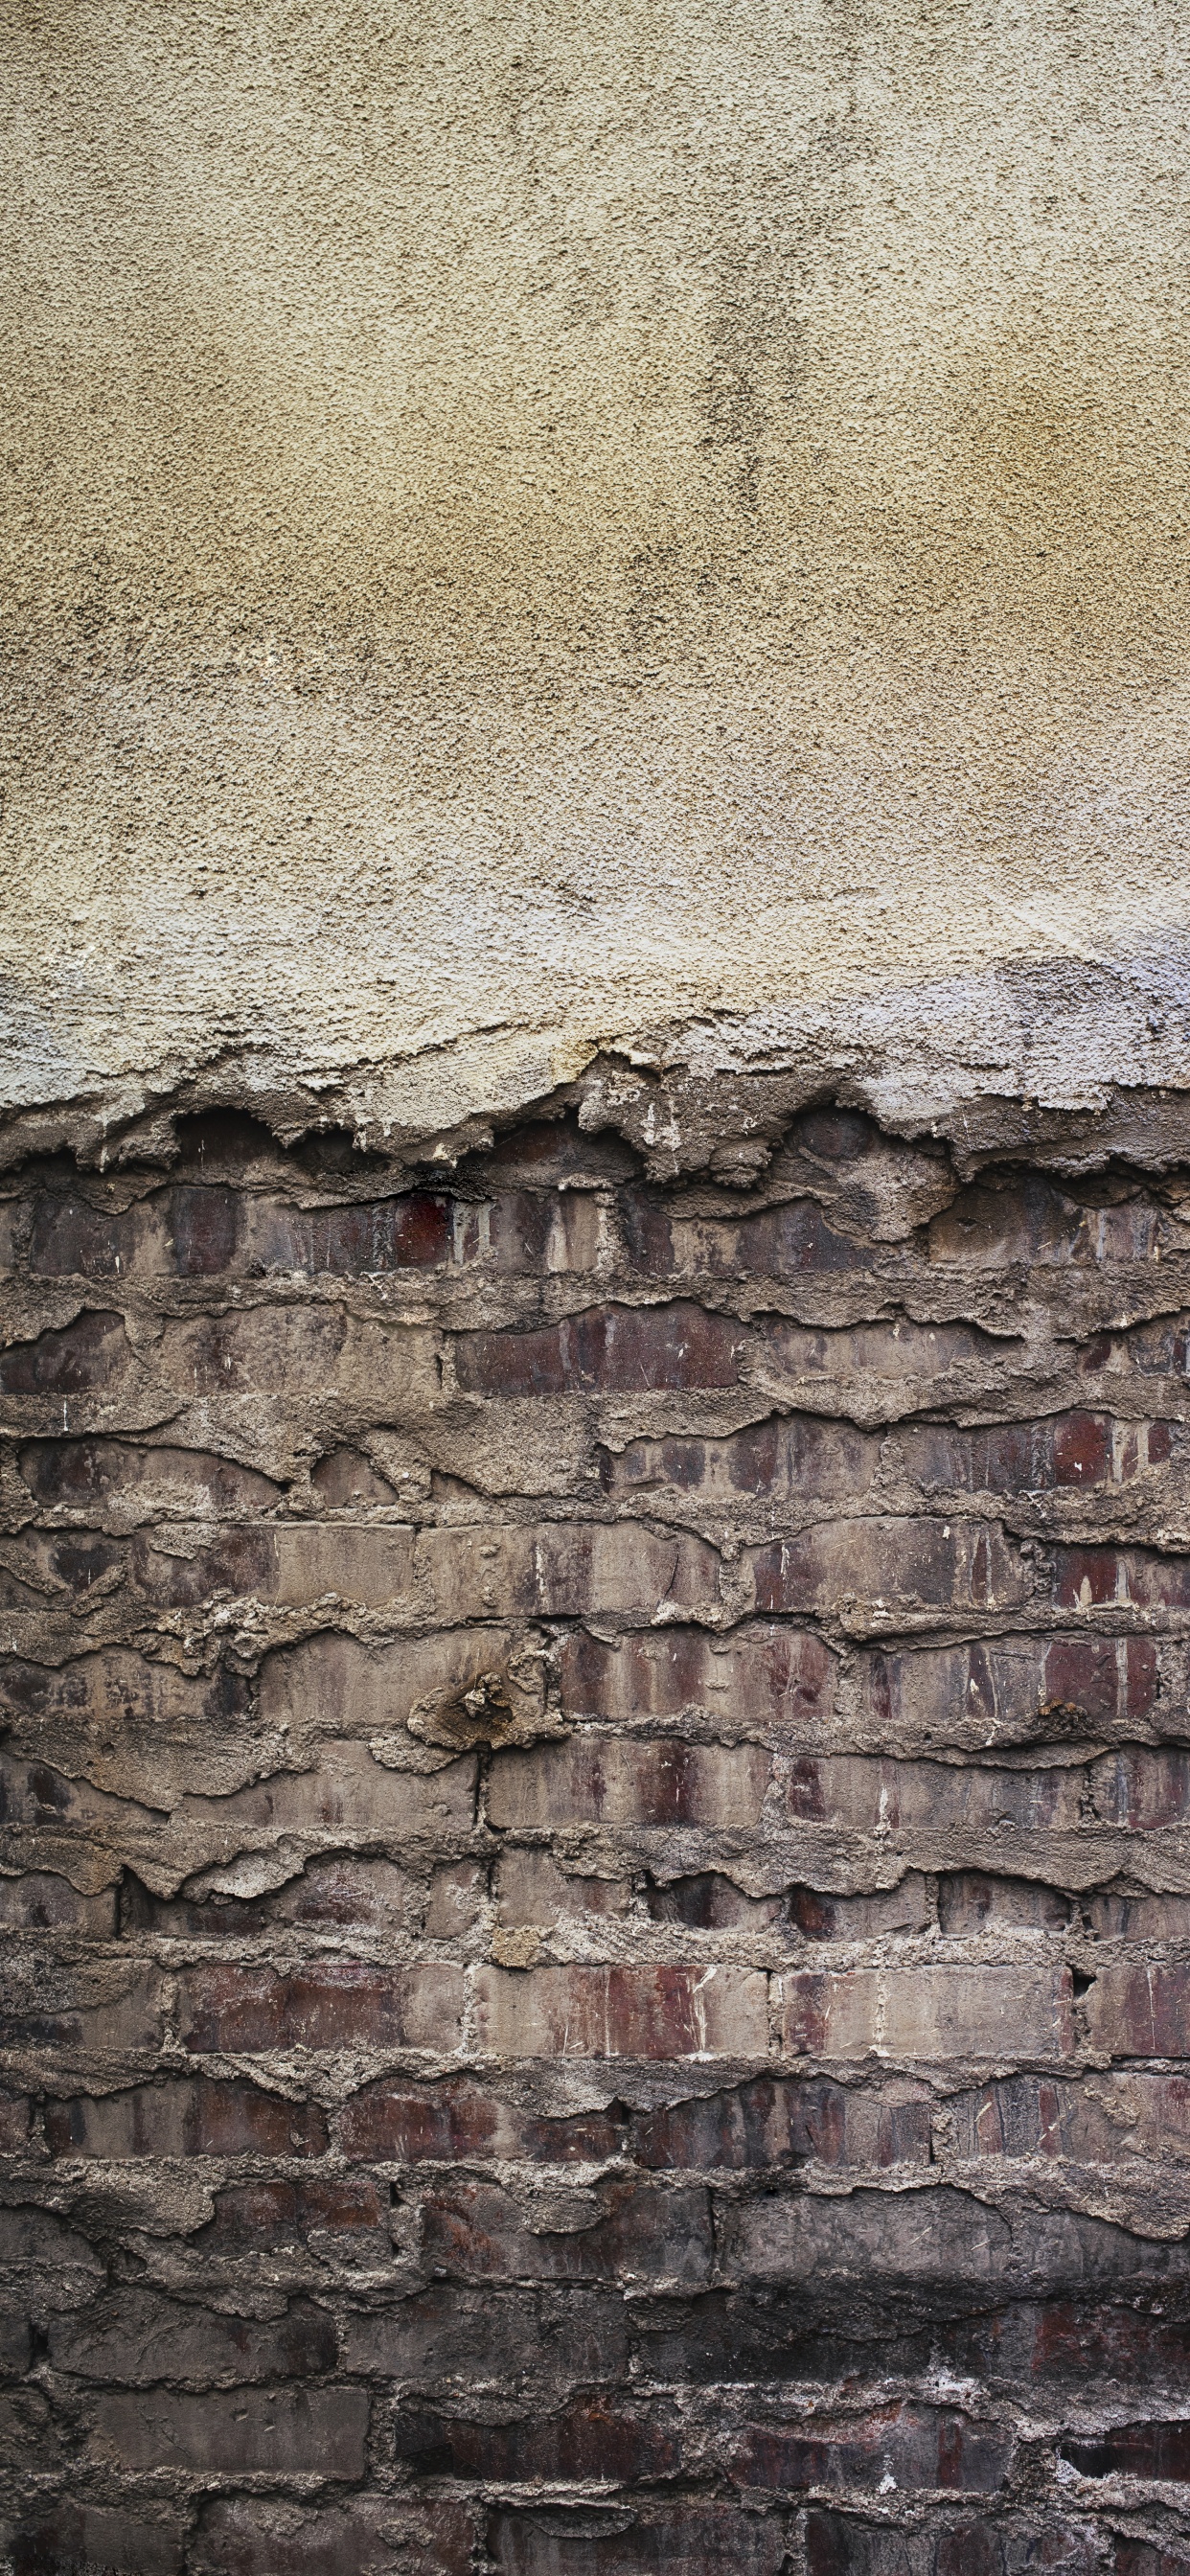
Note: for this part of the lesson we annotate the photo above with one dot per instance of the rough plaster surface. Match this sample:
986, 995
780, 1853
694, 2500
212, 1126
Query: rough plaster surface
528, 529
595, 1864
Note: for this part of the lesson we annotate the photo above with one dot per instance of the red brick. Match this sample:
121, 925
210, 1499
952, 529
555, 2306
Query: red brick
1140, 2011
611, 1780
933, 2014
1088, 1578
608, 1350
1031, 1221
364, 1239
250, 2536
1158, 2451
407, 2123
917, 2446
772, 1675
336, 2005
91, 1353
622, 2012
474, 2231
914, 1564
201, 2118
315, 2433
1147, 2558
971, 1901
1079, 1450
1142, 1789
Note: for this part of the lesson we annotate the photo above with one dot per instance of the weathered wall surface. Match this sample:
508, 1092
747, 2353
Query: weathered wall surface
596, 1863
528, 527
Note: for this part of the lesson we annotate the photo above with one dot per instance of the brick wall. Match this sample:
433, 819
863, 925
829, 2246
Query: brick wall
596, 1862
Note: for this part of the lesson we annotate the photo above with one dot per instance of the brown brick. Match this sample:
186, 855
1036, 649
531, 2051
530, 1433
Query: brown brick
294, 1563
342, 1687
367, 2536
771, 2121
474, 2231
199, 2118
1140, 2011
605, 1350
135, 2338
90, 1354
930, 2013
886, 1564
332, 2005
972, 1900
622, 2012
565, 1570
64, 2537
133, 1726
915, 2446
319, 2433
820, 1917
595, 2437
367, 1238
301, 1355
269, 2217
123, 1485
1012, 1688
782, 1460
860, 1792
772, 1675
1077, 1451
50, 2004
888, 1369
530, 1888
662, 2538
610, 1780
39, 1902
406, 2122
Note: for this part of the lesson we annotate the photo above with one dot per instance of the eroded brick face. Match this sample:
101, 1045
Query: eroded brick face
595, 1848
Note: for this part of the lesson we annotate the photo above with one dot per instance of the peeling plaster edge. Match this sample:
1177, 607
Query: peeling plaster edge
1064, 1061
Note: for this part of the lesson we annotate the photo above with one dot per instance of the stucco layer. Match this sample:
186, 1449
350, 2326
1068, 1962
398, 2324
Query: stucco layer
536, 528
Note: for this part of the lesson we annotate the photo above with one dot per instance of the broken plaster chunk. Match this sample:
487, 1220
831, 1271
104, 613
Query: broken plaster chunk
505, 1706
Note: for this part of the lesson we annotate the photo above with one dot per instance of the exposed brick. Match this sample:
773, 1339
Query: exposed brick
773, 1675
72, 2536
268, 2217
137, 2338
564, 1570
1140, 2011
289, 1564
91, 1353
366, 1238
200, 2118
110, 1479
973, 1901
1087, 1578
333, 2005
861, 1792
475, 2231
1156, 2451
930, 2013
367, 2536
622, 2012
605, 1779
1013, 1689
770, 2122
1078, 1450
956, 1564
607, 1350
791, 1455
315, 2433
303, 1355
659, 2538
449, 2334
457, 2117
593, 2438
914, 2446
1141, 1789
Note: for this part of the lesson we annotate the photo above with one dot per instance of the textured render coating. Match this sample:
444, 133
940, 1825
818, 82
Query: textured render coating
531, 528
595, 1864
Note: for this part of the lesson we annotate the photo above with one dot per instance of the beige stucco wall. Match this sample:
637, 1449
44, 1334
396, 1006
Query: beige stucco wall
531, 527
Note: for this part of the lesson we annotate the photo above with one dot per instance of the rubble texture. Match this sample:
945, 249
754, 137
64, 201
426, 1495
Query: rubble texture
596, 1851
